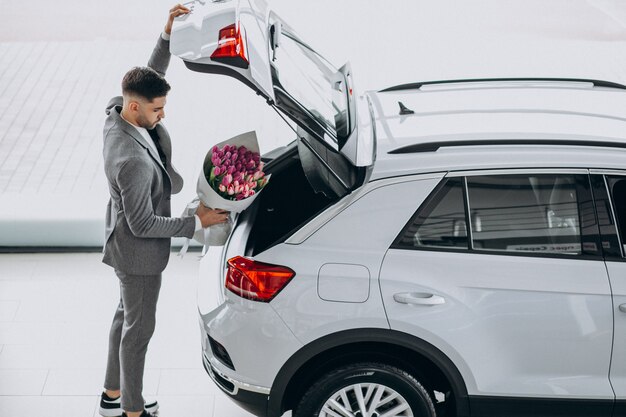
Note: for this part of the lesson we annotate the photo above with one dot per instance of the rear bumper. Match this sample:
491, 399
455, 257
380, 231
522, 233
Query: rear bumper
251, 398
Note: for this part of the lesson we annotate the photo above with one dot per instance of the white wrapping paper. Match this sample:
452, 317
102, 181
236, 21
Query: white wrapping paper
210, 197
218, 234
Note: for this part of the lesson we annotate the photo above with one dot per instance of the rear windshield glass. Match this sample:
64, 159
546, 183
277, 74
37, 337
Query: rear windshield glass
314, 85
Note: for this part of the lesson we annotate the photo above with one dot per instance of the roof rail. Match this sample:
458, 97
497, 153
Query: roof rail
434, 146
418, 85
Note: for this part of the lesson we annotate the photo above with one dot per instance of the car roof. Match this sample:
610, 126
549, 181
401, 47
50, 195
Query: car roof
567, 115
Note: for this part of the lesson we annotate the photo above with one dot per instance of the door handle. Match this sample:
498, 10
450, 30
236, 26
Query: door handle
622, 308
418, 298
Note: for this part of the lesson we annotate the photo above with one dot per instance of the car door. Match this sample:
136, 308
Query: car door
246, 40
609, 189
502, 271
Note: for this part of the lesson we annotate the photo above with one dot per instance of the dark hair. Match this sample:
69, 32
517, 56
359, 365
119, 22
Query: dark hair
144, 82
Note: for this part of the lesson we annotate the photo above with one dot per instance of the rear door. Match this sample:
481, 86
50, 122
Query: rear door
246, 40
519, 300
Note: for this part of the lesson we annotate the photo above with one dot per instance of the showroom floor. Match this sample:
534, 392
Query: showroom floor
55, 312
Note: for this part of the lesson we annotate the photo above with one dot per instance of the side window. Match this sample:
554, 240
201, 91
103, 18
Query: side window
527, 213
440, 222
617, 188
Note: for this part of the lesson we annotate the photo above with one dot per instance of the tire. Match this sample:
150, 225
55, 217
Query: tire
344, 384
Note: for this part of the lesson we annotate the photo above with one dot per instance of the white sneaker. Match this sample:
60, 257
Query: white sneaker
112, 407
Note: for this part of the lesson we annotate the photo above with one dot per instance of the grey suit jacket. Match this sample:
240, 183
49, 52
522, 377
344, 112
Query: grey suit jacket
138, 223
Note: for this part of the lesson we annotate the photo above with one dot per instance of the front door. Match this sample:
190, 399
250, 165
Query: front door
609, 190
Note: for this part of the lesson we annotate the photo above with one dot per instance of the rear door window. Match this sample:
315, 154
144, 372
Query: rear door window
542, 214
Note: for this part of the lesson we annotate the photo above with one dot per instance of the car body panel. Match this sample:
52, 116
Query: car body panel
357, 236
195, 37
490, 113
257, 340
524, 325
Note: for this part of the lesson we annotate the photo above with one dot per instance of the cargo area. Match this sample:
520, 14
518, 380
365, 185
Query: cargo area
287, 203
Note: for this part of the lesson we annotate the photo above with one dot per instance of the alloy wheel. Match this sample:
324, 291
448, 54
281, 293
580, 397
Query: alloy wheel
366, 400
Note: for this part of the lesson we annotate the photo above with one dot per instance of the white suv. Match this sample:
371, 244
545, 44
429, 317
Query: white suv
433, 249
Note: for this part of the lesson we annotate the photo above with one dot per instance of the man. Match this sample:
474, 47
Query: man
138, 167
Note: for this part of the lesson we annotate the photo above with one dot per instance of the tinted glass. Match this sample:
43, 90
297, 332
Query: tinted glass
606, 221
617, 187
312, 88
440, 222
526, 213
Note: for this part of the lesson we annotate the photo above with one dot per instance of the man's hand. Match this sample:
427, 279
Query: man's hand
209, 217
175, 11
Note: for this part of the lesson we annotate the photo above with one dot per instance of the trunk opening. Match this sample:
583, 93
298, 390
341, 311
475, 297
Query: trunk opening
287, 203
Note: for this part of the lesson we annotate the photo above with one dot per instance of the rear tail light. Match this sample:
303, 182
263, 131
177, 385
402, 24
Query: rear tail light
256, 281
231, 47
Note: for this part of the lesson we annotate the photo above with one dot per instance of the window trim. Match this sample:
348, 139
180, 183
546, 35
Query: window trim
517, 171
604, 174
468, 217
615, 224
470, 249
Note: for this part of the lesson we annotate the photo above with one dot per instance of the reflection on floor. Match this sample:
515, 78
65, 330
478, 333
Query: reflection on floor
55, 313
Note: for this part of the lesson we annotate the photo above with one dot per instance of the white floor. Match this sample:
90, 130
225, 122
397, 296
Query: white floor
55, 313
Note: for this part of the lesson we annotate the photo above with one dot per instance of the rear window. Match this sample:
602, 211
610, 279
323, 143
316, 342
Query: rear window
310, 87
441, 223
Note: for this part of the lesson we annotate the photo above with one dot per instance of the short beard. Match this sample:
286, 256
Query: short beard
141, 121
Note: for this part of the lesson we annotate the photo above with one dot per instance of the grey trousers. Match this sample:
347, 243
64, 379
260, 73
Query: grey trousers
132, 328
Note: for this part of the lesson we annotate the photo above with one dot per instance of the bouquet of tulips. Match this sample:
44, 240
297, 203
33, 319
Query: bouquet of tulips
235, 172
232, 177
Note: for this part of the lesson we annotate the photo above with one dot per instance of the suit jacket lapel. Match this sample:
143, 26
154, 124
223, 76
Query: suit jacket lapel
142, 141
166, 146
176, 181
126, 127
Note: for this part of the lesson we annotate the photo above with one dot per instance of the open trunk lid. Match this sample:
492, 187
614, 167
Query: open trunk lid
246, 40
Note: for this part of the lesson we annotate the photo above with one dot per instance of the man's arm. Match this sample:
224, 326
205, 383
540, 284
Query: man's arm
134, 182
160, 58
